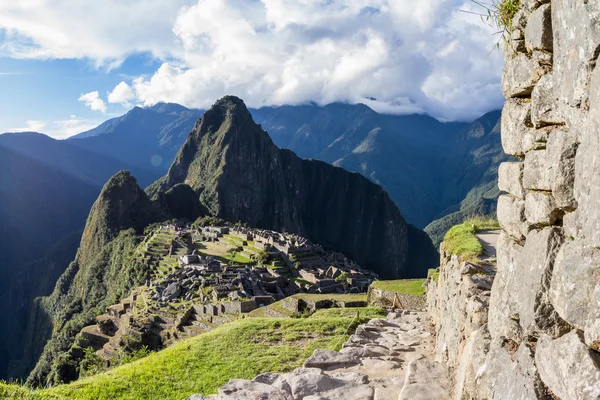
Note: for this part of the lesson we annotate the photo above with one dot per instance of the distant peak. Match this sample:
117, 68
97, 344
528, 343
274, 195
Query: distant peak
165, 108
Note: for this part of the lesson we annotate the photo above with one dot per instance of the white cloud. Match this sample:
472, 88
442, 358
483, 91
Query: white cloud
121, 94
409, 55
93, 101
61, 129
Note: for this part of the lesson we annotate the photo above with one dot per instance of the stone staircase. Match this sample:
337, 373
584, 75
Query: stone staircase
385, 359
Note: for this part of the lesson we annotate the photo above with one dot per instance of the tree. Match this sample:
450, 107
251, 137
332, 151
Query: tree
262, 257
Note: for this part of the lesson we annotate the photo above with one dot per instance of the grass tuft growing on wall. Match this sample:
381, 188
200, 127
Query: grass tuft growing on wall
461, 239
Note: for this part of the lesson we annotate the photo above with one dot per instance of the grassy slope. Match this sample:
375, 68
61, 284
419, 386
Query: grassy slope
461, 239
366, 312
242, 349
404, 286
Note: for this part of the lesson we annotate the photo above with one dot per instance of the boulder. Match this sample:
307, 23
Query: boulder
541, 209
568, 367
544, 103
513, 376
511, 216
537, 171
520, 75
239, 389
516, 124
510, 178
538, 34
324, 359
574, 288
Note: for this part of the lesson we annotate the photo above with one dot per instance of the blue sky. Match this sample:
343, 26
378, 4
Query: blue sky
68, 65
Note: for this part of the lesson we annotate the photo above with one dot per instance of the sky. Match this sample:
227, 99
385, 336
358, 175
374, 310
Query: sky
68, 65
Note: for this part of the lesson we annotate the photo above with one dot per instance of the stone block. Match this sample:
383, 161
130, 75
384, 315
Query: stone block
538, 34
501, 321
535, 139
537, 171
510, 178
471, 379
576, 40
531, 283
516, 124
587, 168
511, 216
574, 288
568, 367
561, 148
513, 377
541, 209
544, 103
520, 75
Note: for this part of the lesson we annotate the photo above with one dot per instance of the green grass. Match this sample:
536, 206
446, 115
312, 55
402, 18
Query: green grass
432, 273
404, 286
366, 312
241, 349
340, 298
461, 239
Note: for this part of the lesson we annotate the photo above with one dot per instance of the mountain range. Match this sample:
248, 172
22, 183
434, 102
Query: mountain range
436, 173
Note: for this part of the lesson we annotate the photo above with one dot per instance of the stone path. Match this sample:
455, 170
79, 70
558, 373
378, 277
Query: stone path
384, 359
489, 239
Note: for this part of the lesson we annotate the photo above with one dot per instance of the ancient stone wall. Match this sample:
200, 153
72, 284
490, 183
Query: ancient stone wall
457, 303
544, 309
544, 317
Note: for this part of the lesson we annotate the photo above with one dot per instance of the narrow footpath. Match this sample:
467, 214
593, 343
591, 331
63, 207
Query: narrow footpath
385, 359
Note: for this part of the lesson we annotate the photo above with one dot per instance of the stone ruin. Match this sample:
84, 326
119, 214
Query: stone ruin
535, 333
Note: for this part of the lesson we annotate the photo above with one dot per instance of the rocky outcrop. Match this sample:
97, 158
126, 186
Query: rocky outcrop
240, 175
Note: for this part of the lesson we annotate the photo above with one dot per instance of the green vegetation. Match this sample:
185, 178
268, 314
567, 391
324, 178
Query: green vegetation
433, 273
208, 221
499, 15
461, 239
241, 349
262, 257
343, 276
338, 298
363, 312
403, 286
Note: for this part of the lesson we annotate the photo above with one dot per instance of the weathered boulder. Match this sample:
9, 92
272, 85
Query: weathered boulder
511, 216
537, 172
568, 367
510, 178
516, 124
520, 75
538, 34
513, 376
541, 209
544, 103
574, 288
324, 359
501, 319
239, 389
576, 39
562, 148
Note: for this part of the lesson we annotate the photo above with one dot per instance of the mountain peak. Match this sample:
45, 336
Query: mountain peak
167, 108
122, 204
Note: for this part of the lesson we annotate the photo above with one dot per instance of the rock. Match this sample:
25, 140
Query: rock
562, 148
308, 381
196, 397
531, 282
538, 34
574, 288
352, 377
535, 140
324, 359
513, 377
239, 389
576, 40
511, 216
354, 392
568, 367
537, 171
471, 377
501, 300
541, 209
172, 291
510, 178
520, 75
544, 103
425, 380
516, 124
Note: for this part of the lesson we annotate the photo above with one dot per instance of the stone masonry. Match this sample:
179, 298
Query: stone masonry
542, 336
